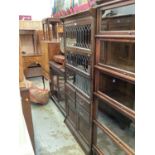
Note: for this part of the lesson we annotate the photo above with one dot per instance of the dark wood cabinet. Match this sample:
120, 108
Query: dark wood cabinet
114, 79
79, 30
57, 85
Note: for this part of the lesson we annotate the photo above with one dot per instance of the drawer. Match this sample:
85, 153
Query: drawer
84, 103
70, 92
32, 59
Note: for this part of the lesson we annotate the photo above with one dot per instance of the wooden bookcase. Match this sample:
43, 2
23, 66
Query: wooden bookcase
55, 72
51, 28
79, 30
114, 78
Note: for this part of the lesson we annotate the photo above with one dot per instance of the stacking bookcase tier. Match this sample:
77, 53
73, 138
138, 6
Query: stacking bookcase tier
117, 18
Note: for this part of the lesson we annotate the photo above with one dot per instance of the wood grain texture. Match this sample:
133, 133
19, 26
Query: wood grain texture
48, 50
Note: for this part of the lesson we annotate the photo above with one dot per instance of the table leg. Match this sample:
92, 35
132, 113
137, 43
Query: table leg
43, 79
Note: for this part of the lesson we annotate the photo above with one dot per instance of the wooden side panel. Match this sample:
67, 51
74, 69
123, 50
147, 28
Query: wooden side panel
26, 107
54, 48
21, 74
45, 59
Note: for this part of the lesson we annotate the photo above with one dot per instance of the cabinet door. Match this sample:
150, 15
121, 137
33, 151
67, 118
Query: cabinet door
84, 129
72, 115
70, 103
84, 117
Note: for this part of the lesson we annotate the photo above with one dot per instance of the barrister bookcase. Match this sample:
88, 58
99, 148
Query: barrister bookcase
79, 30
114, 78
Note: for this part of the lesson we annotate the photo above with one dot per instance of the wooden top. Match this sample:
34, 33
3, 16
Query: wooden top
90, 11
54, 20
31, 55
50, 20
30, 25
111, 2
57, 67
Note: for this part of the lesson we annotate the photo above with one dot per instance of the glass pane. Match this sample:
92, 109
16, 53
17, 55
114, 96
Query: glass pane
70, 36
122, 126
79, 36
106, 144
121, 91
79, 61
121, 18
118, 54
79, 81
